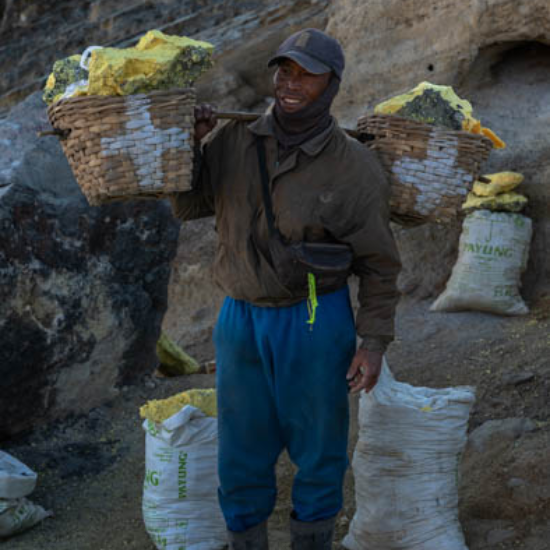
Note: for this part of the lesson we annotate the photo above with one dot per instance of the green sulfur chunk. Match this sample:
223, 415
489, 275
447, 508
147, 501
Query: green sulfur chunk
431, 108
64, 73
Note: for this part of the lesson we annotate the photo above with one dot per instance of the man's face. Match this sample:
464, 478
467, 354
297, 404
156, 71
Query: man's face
295, 88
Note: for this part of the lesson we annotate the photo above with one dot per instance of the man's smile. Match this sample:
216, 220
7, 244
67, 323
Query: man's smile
291, 102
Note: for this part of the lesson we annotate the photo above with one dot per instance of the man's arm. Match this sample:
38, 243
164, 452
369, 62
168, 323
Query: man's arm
377, 266
199, 202
376, 263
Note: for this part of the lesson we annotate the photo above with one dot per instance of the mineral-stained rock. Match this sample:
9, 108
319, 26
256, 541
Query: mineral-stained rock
82, 290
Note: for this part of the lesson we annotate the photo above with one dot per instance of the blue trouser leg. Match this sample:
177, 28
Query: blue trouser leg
281, 384
313, 392
249, 436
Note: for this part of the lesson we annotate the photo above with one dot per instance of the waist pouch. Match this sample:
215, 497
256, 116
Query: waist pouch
329, 263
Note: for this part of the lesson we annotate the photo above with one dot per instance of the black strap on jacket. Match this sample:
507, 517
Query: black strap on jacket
260, 149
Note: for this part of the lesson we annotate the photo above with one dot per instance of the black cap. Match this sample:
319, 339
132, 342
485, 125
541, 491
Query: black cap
313, 50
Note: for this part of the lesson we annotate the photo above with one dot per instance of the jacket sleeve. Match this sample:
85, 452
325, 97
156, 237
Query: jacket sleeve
199, 201
376, 259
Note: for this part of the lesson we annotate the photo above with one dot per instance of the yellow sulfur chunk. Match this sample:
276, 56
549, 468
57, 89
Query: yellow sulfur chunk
471, 125
501, 182
506, 202
158, 410
158, 62
497, 142
155, 38
50, 83
474, 127
173, 360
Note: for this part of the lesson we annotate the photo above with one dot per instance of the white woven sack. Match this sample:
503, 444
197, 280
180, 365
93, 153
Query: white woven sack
405, 467
180, 499
20, 514
493, 252
16, 479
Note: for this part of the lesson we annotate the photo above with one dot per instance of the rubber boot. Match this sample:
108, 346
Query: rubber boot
254, 538
311, 535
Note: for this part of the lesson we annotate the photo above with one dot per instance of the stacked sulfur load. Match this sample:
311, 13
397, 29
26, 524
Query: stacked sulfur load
157, 62
496, 194
439, 106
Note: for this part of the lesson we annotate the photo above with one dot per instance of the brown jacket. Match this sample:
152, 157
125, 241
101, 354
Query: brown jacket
331, 188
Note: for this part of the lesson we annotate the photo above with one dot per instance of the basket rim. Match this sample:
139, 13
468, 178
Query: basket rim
117, 99
409, 124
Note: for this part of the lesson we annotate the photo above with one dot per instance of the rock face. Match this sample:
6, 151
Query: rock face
496, 54
82, 290
391, 46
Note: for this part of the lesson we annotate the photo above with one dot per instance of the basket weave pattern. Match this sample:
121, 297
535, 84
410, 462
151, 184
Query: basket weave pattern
129, 147
431, 169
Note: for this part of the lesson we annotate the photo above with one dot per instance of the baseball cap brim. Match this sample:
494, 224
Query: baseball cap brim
310, 64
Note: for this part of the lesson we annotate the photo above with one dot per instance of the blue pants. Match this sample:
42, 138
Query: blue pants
281, 385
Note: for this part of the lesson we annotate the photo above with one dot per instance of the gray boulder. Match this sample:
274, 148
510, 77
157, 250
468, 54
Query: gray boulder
507, 430
82, 289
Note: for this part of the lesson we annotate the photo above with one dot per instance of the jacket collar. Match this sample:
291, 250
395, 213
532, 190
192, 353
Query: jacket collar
264, 127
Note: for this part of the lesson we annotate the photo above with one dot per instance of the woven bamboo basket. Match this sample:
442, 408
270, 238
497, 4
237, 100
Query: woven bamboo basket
130, 147
431, 169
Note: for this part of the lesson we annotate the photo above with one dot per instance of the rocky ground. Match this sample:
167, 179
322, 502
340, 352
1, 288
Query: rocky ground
91, 468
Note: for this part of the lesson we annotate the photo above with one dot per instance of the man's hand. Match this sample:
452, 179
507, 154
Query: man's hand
205, 121
364, 370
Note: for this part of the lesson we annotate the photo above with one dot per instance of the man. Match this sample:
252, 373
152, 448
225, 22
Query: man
284, 367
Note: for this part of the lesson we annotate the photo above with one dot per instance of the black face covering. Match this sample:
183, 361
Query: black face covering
293, 129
